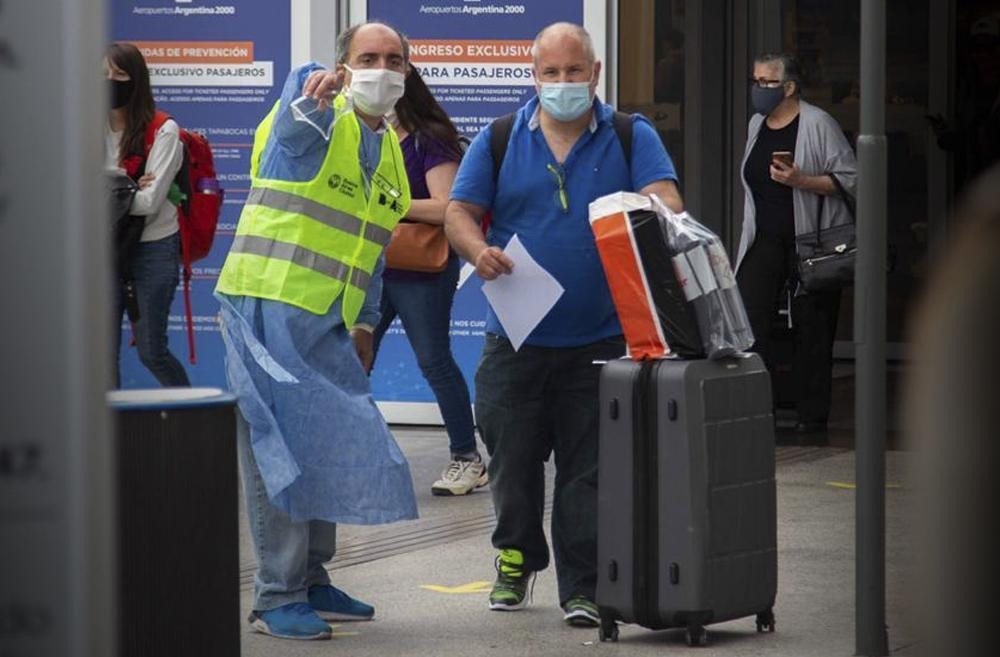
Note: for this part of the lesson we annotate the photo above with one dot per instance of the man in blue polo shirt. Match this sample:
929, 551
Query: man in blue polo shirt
562, 154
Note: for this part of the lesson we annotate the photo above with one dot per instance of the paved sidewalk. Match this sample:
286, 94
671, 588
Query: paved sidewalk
448, 548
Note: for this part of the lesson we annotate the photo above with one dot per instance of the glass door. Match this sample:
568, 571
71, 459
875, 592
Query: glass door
651, 61
824, 35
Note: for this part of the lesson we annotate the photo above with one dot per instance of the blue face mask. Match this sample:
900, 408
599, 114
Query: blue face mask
565, 101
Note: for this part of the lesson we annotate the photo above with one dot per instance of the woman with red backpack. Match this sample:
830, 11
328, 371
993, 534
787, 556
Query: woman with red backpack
148, 274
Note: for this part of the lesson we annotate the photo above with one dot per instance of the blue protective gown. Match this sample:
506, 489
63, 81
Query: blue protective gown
322, 446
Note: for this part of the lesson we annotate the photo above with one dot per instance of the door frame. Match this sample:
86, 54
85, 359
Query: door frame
940, 100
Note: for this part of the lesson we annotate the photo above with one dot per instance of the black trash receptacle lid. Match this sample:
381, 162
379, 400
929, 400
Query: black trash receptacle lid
168, 398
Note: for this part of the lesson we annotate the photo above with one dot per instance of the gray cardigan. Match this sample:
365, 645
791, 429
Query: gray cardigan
820, 147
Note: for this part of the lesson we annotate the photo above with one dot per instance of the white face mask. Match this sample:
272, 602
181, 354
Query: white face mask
375, 90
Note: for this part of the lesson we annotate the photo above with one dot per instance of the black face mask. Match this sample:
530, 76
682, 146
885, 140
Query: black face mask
120, 92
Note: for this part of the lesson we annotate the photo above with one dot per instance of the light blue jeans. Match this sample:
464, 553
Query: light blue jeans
290, 555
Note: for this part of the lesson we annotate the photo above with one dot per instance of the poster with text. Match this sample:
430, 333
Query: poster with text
475, 55
217, 69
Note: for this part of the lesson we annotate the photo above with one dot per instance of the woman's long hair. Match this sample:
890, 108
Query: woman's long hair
140, 107
420, 114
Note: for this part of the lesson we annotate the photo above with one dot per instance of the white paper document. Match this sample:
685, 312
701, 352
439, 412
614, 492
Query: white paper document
524, 297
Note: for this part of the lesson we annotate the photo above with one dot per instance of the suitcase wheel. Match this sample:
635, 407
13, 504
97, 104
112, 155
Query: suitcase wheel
765, 621
608, 630
696, 636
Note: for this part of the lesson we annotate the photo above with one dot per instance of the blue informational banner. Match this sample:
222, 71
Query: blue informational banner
217, 69
476, 57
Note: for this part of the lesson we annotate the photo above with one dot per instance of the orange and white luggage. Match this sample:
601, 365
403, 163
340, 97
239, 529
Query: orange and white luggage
670, 280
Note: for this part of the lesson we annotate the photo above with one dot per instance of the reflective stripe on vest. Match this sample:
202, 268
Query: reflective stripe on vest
288, 202
360, 279
300, 255
303, 257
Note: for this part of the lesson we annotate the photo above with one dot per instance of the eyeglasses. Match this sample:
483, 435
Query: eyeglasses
562, 198
764, 83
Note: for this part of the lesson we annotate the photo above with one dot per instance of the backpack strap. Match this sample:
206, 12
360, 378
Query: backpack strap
500, 131
622, 123
501, 128
159, 118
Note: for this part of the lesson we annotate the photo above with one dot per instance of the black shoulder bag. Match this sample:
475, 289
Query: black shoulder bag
826, 257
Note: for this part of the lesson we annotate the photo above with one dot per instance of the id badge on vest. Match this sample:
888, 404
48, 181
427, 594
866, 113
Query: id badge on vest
385, 193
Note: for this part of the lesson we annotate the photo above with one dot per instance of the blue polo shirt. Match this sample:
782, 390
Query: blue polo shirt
525, 202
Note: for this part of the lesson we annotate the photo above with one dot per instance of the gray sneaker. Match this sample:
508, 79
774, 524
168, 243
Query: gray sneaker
461, 477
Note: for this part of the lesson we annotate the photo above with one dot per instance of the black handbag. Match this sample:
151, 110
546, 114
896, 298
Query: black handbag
826, 257
126, 230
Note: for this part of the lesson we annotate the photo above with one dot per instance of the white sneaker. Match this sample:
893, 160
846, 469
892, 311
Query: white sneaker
461, 477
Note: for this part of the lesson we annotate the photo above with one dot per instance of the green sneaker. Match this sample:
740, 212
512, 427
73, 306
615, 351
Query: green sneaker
581, 612
510, 590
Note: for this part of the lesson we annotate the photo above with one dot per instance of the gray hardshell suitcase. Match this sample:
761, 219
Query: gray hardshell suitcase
687, 530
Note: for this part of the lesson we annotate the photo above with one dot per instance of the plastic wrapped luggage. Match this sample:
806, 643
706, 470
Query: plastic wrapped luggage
670, 279
687, 529
713, 292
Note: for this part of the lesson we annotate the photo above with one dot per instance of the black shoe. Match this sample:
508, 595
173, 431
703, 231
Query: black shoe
801, 434
812, 434
581, 612
810, 427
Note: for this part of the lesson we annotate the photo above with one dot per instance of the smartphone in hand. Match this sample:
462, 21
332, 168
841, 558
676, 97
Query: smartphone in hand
784, 157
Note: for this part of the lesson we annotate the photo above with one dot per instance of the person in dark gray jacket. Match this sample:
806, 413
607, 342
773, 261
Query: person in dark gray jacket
794, 150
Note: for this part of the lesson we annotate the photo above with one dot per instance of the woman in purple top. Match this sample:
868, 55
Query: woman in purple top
423, 301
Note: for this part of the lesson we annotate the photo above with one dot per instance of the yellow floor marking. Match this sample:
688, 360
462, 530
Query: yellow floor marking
471, 587
847, 486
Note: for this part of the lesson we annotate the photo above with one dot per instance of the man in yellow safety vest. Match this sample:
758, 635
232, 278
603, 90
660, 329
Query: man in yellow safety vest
300, 293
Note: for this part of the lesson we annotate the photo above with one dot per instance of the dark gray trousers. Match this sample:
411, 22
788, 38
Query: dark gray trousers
530, 404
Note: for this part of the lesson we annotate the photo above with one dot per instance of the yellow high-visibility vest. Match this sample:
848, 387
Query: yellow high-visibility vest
306, 243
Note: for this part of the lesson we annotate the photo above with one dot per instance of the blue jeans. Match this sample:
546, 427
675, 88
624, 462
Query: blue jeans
529, 404
155, 272
424, 307
290, 555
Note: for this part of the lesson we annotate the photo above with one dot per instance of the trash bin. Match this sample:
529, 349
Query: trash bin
178, 531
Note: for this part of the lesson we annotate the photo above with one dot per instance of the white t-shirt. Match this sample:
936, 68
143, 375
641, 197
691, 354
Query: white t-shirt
164, 162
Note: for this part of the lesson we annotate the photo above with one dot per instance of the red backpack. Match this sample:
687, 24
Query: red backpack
199, 210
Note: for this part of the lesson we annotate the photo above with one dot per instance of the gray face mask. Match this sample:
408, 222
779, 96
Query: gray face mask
765, 100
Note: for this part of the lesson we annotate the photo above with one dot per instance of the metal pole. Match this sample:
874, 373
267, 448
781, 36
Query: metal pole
869, 335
